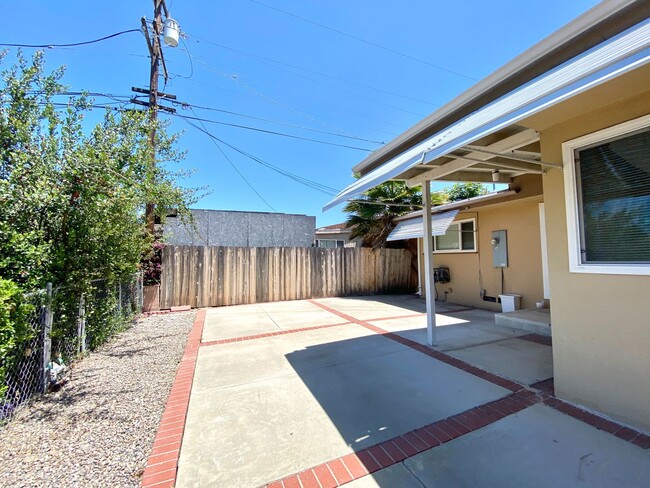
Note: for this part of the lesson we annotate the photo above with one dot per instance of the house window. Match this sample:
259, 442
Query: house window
330, 243
460, 237
607, 180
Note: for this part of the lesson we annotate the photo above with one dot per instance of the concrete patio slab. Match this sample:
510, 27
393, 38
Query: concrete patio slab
239, 363
538, 447
365, 308
520, 360
249, 320
328, 398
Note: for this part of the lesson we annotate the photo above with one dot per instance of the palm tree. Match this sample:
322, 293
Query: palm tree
374, 221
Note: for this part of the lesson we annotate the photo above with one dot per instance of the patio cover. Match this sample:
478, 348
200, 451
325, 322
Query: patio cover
610, 59
413, 228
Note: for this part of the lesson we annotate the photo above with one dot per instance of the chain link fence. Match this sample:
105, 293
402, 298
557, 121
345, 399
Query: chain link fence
62, 325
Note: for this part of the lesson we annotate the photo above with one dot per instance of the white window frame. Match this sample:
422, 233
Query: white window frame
574, 229
460, 241
336, 246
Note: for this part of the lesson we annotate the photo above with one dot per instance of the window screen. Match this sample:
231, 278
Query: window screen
613, 180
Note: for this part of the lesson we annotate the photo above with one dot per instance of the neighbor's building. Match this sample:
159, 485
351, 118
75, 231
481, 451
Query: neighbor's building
241, 229
336, 235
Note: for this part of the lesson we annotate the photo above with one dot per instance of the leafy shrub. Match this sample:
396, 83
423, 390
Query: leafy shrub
15, 329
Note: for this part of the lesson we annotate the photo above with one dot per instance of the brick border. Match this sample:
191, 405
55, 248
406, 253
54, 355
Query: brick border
269, 334
537, 338
356, 465
611, 427
162, 463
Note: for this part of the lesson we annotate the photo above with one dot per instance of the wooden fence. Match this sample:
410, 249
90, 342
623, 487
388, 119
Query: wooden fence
215, 276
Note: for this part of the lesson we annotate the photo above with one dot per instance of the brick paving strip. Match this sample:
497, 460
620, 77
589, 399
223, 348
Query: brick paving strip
163, 459
162, 464
269, 334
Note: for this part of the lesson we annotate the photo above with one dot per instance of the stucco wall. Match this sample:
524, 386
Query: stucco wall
524, 272
601, 323
242, 229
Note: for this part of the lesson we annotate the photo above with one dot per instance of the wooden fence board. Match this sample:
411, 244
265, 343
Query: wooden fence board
216, 276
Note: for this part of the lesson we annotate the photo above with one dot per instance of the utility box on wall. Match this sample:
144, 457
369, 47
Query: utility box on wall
499, 248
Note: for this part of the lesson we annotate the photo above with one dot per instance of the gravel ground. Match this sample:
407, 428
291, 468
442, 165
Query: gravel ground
99, 428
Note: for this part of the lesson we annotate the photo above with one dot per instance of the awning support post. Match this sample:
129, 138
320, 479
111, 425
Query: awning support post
427, 240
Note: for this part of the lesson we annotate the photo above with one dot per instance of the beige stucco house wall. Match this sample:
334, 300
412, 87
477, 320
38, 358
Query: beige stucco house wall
601, 322
472, 271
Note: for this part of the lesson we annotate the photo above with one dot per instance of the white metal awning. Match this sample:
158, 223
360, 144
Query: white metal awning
604, 62
413, 228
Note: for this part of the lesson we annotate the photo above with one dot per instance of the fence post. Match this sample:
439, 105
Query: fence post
119, 298
81, 325
47, 338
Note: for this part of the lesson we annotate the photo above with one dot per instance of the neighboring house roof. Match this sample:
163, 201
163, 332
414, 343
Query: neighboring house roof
444, 145
333, 229
459, 204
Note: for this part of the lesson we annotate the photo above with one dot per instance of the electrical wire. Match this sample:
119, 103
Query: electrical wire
271, 100
126, 98
212, 109
325, 75
265, 131
299, 179
237, 170
356, 38
49, 46
393, 107
262, 119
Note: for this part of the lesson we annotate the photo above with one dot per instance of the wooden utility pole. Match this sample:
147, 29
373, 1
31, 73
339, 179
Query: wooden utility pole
155, 52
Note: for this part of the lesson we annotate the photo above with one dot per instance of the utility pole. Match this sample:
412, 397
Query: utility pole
156, 54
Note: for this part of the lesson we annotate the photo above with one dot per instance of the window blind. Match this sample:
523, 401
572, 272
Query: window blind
613, 179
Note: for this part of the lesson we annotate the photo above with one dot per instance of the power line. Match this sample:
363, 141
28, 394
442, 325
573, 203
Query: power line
212, 109
299, 179
365, 117
270, 100
236, 169
73, 43
126, 100
378, 102
257, 129
325, 75
356, 38
286, 124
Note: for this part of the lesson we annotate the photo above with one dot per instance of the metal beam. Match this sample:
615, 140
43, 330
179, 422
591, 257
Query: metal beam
475, 177
514, 165
429, 284
512, 155
515, 141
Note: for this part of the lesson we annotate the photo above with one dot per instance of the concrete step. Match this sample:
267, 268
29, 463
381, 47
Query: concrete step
537, 321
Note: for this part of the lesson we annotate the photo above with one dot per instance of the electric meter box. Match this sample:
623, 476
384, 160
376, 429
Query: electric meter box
499, 248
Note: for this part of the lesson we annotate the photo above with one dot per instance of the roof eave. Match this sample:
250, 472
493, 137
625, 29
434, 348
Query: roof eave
594, 26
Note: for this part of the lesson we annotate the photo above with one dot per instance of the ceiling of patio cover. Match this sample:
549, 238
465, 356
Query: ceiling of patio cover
414, 228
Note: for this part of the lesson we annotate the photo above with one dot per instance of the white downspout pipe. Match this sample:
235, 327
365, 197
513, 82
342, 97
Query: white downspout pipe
427, 241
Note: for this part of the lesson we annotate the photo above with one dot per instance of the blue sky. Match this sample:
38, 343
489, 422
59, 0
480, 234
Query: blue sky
279, 73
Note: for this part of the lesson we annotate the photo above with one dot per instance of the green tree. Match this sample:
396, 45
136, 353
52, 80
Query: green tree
72, 196
462, 191
372, 215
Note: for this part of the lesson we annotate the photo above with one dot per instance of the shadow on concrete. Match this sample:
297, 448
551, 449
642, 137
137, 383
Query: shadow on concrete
373, 389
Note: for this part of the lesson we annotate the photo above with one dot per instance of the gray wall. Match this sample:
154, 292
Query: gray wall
241, 229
